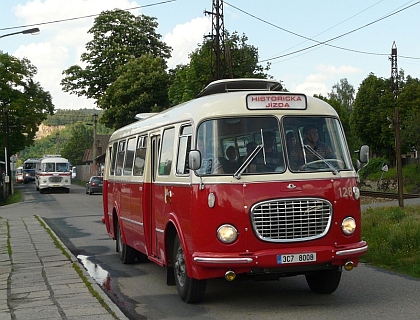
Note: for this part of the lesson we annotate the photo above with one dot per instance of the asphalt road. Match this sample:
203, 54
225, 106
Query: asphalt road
141, 292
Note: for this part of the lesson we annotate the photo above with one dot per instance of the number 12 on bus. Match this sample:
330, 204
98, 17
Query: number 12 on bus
245, 181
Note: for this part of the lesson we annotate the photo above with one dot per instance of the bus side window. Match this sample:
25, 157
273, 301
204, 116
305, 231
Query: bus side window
113, 155
184, 148
167, 151
129, 156
140, 157
120, 158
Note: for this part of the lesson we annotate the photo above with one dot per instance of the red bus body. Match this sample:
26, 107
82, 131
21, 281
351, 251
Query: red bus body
287, 222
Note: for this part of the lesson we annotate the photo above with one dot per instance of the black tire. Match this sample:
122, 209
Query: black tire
87, 191
41, 190
324, 281
126, 253
190, 290
90, 191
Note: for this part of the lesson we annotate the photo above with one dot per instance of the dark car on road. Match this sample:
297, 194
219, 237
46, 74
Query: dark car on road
94, 185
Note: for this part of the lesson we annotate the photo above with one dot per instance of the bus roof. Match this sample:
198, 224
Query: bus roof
248, 84
228, 104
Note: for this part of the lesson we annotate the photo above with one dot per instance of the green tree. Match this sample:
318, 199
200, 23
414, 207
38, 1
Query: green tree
80, 140
24, 103
188, 80
344, 93
142, 87
118, 37
374, 103
408, 103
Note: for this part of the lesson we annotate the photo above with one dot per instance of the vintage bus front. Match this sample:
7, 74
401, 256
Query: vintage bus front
53, 172
29, 167
286, 203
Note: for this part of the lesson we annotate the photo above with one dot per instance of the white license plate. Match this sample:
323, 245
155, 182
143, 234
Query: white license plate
296, 258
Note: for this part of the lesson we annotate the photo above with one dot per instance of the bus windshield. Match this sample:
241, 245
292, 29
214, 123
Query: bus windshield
300, 144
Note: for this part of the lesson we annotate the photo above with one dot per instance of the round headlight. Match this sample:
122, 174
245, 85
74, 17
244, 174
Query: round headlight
348, 226
227, 233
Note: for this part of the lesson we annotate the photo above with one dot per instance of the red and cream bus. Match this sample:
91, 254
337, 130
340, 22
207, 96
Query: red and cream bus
52, 173
174, 194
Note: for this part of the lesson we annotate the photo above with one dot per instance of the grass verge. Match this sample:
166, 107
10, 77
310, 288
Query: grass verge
16, 197
393, 236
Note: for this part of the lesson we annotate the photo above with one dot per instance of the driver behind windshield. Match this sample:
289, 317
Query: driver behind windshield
311, 138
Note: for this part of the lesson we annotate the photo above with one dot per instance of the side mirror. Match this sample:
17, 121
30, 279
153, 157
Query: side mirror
364, 154
194, 160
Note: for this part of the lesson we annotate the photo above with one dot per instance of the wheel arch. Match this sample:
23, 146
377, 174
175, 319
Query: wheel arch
172, 230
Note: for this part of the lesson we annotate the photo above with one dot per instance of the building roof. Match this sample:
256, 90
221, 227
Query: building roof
101, 144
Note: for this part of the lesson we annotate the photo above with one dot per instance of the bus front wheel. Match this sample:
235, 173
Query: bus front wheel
126, 253
190, 290
324, 281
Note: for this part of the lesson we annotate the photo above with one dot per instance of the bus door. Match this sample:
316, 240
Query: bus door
162, 188
154, 196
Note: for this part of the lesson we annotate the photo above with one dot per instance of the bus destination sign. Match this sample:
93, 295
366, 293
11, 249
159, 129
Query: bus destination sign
276, 101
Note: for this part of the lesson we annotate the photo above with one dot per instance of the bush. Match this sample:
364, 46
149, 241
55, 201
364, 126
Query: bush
374, 166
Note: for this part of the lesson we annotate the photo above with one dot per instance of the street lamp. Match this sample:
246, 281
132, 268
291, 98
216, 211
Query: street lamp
28, 31
6, 124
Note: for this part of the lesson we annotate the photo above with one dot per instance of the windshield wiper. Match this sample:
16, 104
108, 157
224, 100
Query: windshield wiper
316, 154
247, 162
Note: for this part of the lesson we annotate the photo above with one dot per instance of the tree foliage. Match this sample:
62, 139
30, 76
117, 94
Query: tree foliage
63, 117
23, 102
81, 138
118, 37
57, 141
372, 119
374, 104
409, 104
190, 79
344, 93
141, 88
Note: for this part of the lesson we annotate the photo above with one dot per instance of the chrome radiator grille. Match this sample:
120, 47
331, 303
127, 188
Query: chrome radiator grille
55, 179
289, 220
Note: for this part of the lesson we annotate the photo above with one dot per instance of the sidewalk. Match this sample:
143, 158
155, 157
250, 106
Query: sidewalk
38, 281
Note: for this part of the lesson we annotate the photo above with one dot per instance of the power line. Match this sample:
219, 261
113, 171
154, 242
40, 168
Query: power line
84, 17
318, 43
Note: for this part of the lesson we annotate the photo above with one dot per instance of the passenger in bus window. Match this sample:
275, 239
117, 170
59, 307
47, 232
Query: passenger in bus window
311, 138
294, 151
273, 158
250, 146
231, 164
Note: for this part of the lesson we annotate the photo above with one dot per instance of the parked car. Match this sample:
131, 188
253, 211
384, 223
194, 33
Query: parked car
94, 185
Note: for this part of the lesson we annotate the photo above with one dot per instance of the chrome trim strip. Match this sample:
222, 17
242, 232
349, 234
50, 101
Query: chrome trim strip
132, 221
160, 230
352, 251
223, 260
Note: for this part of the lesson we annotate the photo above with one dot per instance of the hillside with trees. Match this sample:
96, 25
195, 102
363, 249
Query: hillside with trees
73, 134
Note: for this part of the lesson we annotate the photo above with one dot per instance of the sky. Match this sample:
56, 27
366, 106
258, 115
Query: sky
310, 44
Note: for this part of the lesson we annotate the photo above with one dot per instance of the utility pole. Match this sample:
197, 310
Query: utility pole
8, 175
396, 122
218, 40
95, 121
